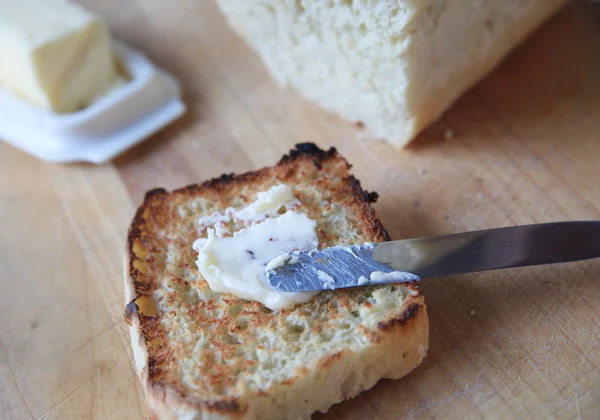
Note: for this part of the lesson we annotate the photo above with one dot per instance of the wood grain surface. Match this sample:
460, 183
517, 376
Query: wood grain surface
526, 147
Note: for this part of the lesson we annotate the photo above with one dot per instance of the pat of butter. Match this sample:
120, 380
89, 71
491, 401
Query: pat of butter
54, 54
267, 204
236, 264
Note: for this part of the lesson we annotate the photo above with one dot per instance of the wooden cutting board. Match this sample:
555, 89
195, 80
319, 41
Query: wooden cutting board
526, 147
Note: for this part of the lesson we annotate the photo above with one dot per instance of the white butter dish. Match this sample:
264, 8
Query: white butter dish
115, 122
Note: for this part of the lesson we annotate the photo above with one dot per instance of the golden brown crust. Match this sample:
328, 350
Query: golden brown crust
150, 229
405, 317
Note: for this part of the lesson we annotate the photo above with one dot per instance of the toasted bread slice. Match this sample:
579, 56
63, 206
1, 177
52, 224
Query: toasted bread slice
200, 354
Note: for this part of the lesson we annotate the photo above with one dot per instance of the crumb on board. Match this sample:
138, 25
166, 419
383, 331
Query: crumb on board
472, 312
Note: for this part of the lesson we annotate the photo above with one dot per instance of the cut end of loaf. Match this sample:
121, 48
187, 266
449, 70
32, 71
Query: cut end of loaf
200, 353
394, 66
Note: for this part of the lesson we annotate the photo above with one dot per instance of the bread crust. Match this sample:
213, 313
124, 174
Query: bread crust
404, 332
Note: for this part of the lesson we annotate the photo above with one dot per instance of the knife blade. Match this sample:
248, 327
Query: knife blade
412, 259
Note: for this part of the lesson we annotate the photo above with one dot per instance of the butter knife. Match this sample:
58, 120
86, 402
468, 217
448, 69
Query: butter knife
411, 259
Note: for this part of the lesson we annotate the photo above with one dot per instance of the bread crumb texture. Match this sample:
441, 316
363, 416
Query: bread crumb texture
201, 354
392, 65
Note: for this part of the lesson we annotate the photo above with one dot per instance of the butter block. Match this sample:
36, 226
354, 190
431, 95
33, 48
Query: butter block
54, 54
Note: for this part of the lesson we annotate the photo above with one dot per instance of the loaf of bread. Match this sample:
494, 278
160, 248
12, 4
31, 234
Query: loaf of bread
393, 65
205, 355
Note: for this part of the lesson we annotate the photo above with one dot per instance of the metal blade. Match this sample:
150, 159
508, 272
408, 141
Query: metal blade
518, 246
330, 268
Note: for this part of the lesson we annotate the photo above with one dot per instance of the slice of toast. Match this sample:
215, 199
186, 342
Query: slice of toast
200, 354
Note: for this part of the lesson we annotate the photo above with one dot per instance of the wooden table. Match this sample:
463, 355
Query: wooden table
511, 344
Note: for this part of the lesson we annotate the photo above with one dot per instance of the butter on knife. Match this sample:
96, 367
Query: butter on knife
54, 54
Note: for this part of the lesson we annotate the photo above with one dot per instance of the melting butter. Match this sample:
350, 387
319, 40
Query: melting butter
236, 264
